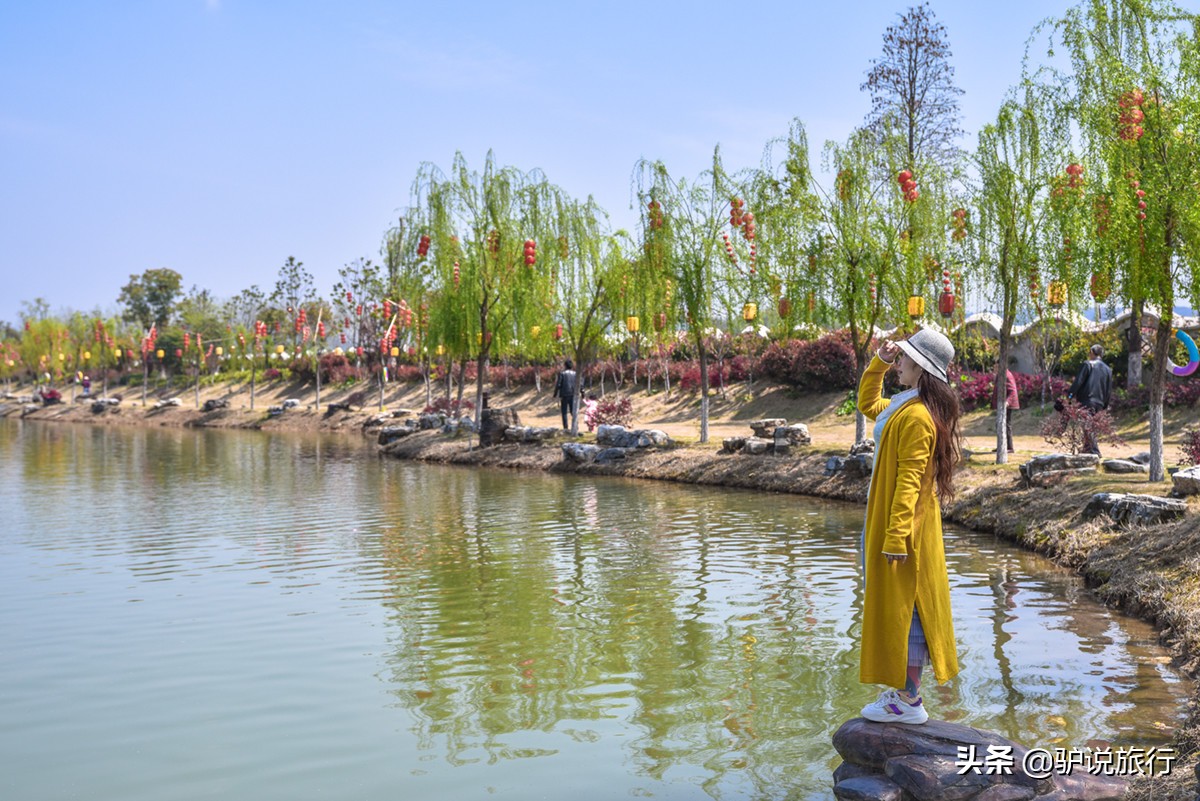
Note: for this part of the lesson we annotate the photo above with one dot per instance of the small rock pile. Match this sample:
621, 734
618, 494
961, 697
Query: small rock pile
771, 435
102, 405
615, 442
939, 761
425, 422
860, 462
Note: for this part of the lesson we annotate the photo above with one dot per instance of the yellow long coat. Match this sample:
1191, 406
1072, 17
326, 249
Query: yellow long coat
903, 517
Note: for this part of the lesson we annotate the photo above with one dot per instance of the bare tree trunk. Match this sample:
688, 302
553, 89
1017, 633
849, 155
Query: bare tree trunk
462, 381
480, 374
703, 393
1134, 338
1158, 387
428, 382
1000, 395
860, 421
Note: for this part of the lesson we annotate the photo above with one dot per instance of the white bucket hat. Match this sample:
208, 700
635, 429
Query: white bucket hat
932, 351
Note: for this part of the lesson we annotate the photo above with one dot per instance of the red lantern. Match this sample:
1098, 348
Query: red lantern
558, 331
946, 304
179, 353
785, 306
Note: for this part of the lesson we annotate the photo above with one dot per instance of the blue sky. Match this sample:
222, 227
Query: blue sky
219, 137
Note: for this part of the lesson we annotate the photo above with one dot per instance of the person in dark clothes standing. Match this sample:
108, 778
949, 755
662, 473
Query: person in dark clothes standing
1092, 390
564, 390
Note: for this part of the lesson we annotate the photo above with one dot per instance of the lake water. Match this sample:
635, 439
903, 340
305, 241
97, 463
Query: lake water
237, 615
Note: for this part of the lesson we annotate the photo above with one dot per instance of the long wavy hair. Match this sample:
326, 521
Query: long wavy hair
942, 402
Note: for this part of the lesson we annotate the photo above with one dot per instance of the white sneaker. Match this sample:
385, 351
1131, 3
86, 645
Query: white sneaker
891, 708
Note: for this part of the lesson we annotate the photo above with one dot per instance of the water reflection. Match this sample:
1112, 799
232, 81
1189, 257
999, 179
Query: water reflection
530, 631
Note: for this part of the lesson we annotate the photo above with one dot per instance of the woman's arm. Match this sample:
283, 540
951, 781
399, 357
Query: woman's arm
870, 386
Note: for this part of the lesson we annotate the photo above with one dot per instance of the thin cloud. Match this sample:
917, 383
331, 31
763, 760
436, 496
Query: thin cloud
463, 65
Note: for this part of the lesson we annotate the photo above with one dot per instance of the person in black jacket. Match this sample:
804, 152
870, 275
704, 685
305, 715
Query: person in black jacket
1092, 389
564, 389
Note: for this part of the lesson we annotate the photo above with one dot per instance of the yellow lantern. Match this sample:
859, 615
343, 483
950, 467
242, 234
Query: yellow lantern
395, 351
220, 351
534, 331
916, 306
279, 349
62, 357
117, 352
440, 350
1056, 293
87, 354
633, 324
750, 312
338, 351
11, 363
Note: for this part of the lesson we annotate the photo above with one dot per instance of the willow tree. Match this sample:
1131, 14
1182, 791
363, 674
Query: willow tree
684, 221
1003, 237
411, 283
481, 226
782, 192
1134, 87
859, 258
587, 290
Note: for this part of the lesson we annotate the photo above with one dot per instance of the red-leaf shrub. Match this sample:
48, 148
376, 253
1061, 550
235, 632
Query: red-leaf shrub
271, 374
689, 379
1065, 430
1189, 449
406, 373
741, 368
825, 364
449, 406
975, 389
777, 360
1177, 393
613, 410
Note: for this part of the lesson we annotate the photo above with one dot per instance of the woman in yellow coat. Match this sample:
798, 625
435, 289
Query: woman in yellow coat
906, 607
